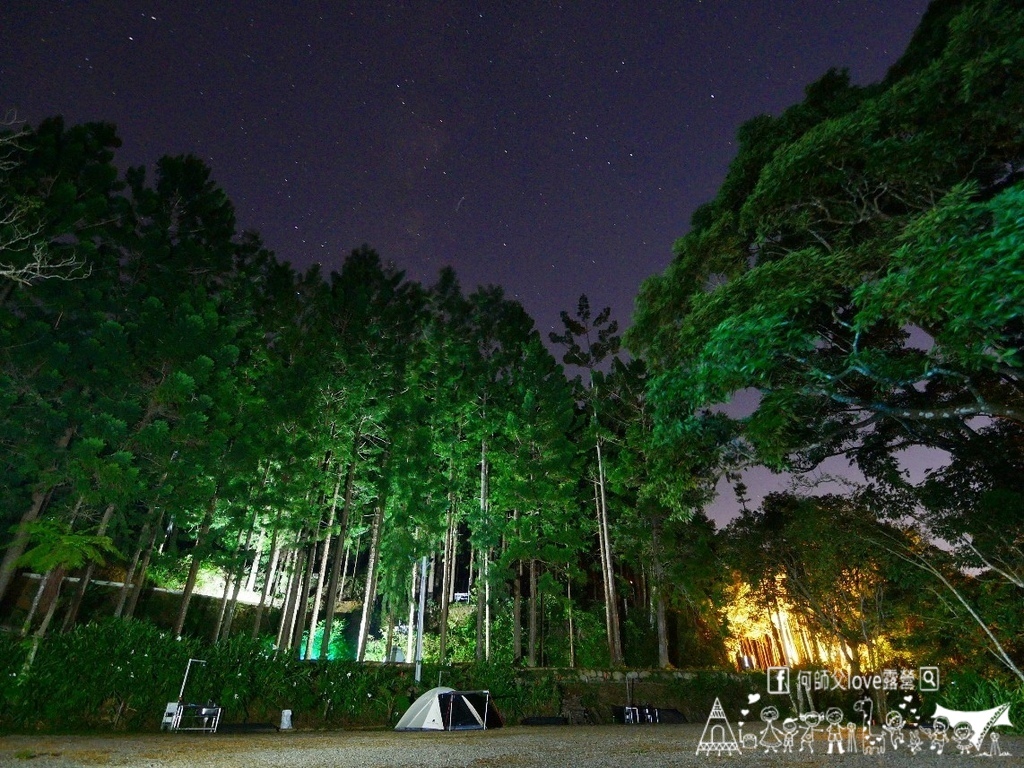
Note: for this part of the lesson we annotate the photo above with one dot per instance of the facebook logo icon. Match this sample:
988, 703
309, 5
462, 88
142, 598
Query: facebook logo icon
778, 679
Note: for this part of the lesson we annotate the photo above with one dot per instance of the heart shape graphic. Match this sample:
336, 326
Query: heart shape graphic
744, 712
903, 706
908, 698
913, 711
754, 697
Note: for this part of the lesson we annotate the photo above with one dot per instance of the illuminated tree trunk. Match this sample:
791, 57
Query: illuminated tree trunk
487, 605
228, 578
302, 601
608, 568
338, 563
483, 592
390, 639
447, 572
336, 587
231, 578
193, 571
370, 595
147, 537
239, 577
254, 568
140, 579
76, 603
314, 615
269, 578
409, 639
287, 623
49, 591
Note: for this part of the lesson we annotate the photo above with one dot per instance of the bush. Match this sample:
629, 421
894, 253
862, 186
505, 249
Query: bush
111, 675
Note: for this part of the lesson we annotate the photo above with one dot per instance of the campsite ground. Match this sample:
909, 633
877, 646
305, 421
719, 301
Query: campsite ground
518, 747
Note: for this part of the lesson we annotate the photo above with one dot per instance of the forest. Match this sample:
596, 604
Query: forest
332, 458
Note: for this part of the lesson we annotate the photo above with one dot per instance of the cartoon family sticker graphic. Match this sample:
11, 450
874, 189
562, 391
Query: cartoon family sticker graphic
950, 732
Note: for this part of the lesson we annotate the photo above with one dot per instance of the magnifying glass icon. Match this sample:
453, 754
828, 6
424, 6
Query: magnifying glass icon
929, 678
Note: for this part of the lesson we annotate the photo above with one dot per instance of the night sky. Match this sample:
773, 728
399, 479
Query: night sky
552, 149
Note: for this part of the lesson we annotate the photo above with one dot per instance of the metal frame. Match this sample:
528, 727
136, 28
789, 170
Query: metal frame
192, 717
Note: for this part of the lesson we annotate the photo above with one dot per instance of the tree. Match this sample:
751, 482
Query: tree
579, 332
831, 561
776, 286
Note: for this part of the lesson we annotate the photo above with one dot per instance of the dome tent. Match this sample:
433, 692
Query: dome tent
445, 709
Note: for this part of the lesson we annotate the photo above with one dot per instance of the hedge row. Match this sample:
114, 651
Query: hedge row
119, 675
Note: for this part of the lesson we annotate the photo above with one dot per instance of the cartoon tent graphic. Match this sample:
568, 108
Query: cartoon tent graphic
718, 736
981, 721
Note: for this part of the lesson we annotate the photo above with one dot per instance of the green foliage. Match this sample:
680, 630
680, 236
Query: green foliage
54, 544
854, 225
118, 675
337, 648
111, 675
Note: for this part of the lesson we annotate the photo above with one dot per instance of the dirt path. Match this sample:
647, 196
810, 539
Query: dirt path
518, 747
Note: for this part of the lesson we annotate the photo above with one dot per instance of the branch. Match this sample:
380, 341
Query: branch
919, 561
43, 268
958, 412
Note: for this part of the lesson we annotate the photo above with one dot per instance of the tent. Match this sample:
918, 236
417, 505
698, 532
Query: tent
445, 709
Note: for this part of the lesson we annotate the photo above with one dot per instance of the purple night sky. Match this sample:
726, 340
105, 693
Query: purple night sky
550, 148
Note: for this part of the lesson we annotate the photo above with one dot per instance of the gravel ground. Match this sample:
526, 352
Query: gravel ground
560, 747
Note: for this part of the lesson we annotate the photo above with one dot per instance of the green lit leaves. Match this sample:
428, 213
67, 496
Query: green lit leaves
958, 273
54, 544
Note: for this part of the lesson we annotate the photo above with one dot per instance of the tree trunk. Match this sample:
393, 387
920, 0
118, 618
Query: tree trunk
345, 585
517, 613
293, 565
223, 608
572, 628
51, 584
337, 566
231, 578
140, 578
480, 601
193, 571
370, 595
658, 589
291, 608
412, 614
302, 606
254, 569
604, 575
389, 642
129, 575
51, 598
487, 605
531, 647
447, 570
239, 577
318, 592
611, 598
17, 547
36, 600
76, 603
483, 595
269, 578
